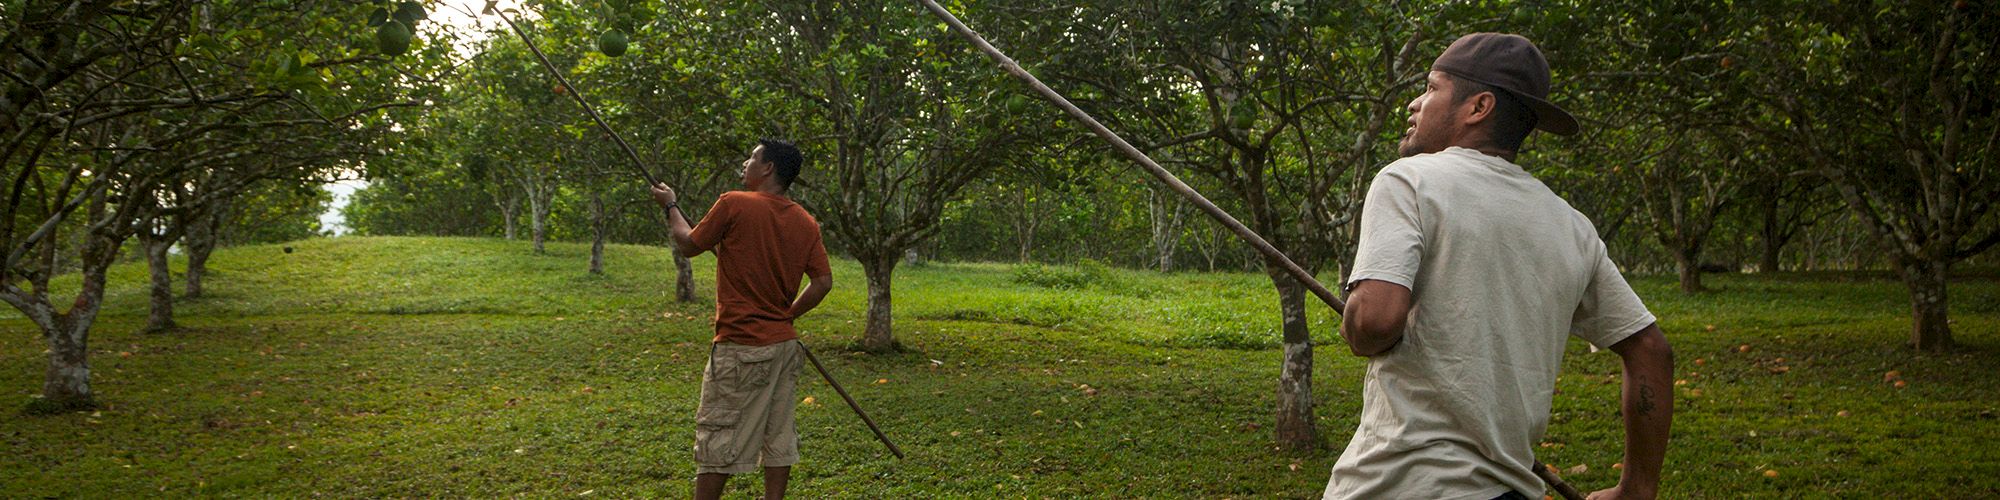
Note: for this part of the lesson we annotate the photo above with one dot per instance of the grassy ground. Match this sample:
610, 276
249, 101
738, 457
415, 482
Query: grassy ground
369, 367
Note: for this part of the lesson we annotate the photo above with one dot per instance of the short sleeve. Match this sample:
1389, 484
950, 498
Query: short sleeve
816, 264
714, 224
1392, 235
1610, 311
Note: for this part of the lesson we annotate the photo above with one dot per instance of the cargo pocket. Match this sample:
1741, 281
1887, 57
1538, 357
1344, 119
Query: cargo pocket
735, 374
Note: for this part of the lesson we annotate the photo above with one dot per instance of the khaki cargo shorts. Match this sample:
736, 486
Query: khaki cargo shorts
747, 400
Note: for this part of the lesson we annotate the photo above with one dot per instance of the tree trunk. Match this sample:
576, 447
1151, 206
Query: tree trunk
200, 241
160, 317
598, 223
1025, 221
1771, 237
1167, 214
199, 245
508, 208
683, 278
539, 227
67, 384
877, 337
1930, 328
1688, 262
1767, 260
1295, 428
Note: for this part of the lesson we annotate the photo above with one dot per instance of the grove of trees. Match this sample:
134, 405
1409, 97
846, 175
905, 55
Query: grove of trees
1776, 135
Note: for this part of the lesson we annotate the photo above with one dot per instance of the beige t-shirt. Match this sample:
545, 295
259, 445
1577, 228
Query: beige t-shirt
1500, 269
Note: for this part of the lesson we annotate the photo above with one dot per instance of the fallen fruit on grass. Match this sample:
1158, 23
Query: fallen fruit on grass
1900, 383
1842, 413
1771, 473
1700, 361
1619, 466
1578, 469
809, 401
1891, 376
881, 381
1709, 327
1743, 348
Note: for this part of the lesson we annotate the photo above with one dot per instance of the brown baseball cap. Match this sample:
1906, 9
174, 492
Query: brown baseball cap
1509, 62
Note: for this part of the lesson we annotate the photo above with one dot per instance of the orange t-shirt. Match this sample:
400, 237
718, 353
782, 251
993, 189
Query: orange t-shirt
765, 246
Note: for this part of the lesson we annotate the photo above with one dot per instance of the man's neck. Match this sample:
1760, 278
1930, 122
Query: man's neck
1493, 151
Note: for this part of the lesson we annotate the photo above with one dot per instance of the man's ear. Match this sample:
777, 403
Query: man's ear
1482, 108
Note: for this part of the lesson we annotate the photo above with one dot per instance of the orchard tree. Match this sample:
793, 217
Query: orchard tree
105, 108
1896, 106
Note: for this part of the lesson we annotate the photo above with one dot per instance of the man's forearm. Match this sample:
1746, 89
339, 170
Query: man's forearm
679, 231
1648, 408
811, 297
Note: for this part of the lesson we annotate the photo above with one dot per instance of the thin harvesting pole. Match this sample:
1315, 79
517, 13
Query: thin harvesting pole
850, 402
1548, 475
640, 166
637, 164
1248, 236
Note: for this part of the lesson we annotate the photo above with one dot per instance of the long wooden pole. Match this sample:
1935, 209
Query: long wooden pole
637, 164
640, 166
1264, 247
1152, 167
850, 402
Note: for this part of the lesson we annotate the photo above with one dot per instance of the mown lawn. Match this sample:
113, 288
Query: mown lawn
372, 367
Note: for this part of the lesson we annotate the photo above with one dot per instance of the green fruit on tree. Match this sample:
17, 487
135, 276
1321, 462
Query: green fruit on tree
612, 43
1244, 115
1017, 104
393, 38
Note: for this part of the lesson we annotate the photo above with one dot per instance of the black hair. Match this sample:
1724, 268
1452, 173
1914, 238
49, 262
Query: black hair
785, 157
1512, 120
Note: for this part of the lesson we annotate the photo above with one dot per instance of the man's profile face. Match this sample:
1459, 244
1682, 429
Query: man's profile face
1433, 120
755, 169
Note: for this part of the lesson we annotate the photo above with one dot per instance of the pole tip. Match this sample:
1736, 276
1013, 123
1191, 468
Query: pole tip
490, 4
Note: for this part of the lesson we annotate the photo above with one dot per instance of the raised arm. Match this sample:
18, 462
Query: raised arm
678, 228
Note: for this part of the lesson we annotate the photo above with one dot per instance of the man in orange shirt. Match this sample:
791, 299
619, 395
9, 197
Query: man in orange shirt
764, 246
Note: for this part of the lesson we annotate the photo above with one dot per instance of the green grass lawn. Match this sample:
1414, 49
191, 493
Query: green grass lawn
371, 367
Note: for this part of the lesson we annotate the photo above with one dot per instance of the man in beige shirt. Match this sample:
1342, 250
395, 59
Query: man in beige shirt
1469, 275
